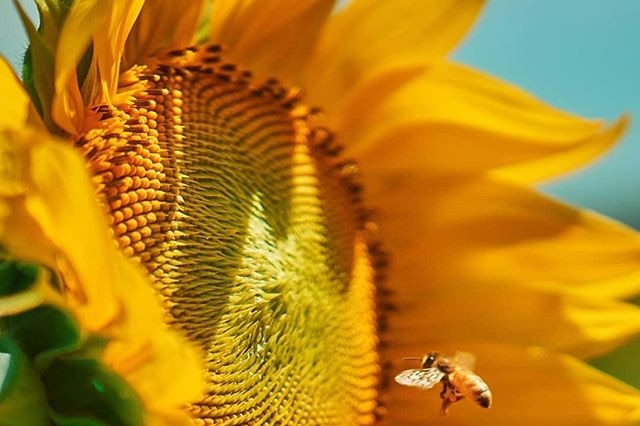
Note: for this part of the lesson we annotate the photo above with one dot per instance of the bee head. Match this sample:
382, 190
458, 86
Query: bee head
429, 359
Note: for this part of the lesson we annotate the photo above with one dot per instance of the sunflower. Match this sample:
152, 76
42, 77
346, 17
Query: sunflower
204, 150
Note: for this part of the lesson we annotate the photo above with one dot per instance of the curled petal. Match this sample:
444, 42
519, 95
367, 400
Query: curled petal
107, 23
108, 48
84, 19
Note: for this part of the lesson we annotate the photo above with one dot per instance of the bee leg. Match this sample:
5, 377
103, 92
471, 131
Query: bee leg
444, 410
447, 401
443, 394
449, 395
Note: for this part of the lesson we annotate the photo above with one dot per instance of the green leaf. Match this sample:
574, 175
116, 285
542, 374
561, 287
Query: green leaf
85, 392
22, 397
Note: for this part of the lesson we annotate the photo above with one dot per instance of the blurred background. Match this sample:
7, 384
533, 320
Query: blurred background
580, 55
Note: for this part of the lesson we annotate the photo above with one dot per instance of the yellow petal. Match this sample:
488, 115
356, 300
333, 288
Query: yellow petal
485, 231
272, 38
453, 120
581, 325
14, 104
565, 161
16, 108
368, 36
108, 49
162, 24
530, 387
49, 214
51, 208
148, 357
107, 23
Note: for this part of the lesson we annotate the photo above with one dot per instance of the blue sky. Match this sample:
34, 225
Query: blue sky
581, 55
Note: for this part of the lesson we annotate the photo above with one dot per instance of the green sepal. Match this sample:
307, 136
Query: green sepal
44, 333
84, 392
16, 277
52, 15
38, 69
39, 58
51, 373
23, 401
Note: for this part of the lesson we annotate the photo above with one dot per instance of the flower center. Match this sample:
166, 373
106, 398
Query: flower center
248, 223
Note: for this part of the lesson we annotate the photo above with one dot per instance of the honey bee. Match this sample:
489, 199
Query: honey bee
458, 381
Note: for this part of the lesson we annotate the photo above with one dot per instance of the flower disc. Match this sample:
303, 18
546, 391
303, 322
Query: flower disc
249, 224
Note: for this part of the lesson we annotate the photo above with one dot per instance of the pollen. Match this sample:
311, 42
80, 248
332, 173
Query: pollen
251, 227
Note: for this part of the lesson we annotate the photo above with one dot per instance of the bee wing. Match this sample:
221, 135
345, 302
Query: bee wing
465, 360
423, 378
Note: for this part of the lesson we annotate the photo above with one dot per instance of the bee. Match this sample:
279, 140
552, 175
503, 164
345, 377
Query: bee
458, 381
